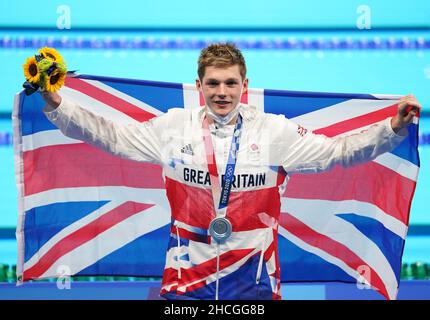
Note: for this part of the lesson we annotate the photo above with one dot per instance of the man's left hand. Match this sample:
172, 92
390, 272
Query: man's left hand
408, 107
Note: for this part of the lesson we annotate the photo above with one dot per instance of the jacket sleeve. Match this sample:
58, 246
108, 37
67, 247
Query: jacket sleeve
305, 152
135, 141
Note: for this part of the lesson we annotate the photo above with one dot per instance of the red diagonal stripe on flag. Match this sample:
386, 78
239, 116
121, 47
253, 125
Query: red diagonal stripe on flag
109, 99
83, 235
332, 247
357, 122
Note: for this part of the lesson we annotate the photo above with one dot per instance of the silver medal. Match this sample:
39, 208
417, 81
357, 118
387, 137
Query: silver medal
220, 229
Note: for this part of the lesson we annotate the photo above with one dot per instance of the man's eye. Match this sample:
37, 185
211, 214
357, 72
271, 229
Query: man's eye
232, 83
212, 84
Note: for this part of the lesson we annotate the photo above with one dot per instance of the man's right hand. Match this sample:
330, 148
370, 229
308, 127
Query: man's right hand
52, 99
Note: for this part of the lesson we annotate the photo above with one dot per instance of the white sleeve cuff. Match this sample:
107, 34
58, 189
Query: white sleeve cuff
51, 113
402, 132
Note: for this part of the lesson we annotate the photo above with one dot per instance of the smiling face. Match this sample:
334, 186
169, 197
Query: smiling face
221, 88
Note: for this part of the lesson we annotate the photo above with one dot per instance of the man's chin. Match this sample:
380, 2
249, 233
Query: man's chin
221, 112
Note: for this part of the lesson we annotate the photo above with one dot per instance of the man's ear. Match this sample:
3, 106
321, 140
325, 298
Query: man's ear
198, 85
245, 85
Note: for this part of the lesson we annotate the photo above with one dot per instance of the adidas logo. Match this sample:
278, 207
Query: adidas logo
188, 149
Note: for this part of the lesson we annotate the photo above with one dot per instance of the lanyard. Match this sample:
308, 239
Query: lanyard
221, 196
220, 228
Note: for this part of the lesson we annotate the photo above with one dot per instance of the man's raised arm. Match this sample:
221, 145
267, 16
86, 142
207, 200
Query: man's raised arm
306, 153
135, 141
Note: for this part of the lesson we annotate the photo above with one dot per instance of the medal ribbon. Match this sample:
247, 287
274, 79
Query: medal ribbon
221, 195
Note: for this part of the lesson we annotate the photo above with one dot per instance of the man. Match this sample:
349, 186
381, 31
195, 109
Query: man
224, 166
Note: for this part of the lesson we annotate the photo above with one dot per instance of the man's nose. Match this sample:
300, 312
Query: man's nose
221, 92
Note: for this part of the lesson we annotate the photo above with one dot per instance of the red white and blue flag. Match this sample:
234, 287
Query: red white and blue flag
102, 215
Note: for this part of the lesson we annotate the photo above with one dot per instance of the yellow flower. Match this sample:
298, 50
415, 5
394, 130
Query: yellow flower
31, 71
51, 54
55, 81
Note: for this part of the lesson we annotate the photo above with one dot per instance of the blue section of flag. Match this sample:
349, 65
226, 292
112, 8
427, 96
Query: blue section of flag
42, 223
292, 106
156, 97
142, 257
300, 265
408, 149
296, 103
390, 244
159, 84
151, 93
33, 120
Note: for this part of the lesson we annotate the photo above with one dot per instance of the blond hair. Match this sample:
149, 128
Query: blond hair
221, 55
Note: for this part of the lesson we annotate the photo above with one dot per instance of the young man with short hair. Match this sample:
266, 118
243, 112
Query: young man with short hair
223, 236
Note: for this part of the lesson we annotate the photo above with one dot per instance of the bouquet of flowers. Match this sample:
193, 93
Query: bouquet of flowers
45, 71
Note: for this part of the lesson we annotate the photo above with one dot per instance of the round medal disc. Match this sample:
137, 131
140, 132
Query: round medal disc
220, 229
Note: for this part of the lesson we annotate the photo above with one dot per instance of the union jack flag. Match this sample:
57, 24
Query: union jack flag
102, 215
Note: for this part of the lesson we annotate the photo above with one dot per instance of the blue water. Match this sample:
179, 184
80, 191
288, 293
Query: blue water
397, 71
8, 251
